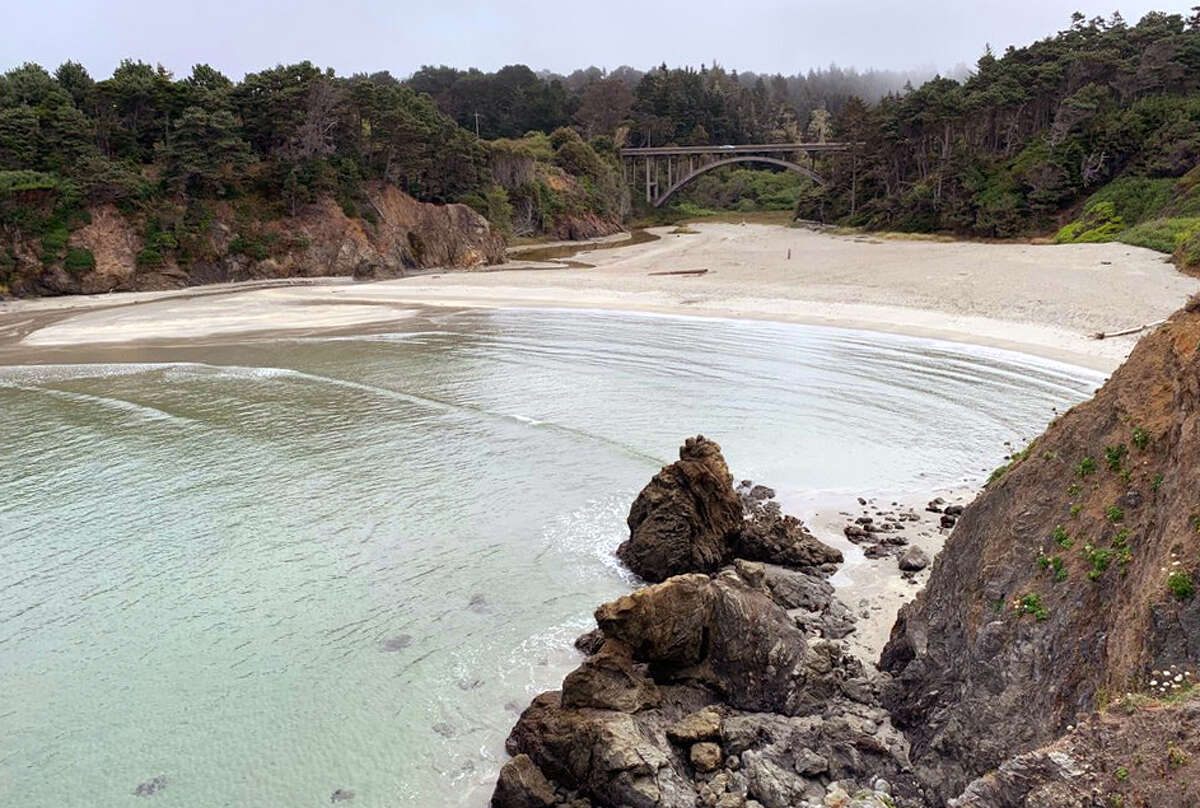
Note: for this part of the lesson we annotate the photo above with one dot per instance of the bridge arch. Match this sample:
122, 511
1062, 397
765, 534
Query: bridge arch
788, 164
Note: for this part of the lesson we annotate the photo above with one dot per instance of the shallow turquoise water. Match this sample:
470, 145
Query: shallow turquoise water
305, 565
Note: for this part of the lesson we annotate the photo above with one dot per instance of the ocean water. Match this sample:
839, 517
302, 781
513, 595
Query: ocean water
265, 571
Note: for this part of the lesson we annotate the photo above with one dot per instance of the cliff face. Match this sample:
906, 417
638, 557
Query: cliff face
1140, 754
319, 241
1069, 582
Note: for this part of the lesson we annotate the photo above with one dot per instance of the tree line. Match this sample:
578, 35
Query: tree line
1027, 134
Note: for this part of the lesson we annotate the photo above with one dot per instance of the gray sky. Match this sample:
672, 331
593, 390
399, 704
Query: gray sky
237, 36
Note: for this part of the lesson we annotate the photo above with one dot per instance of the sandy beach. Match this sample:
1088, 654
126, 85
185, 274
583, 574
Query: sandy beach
1040, 299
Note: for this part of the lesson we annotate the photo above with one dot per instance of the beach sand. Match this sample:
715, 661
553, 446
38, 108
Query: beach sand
1045, 300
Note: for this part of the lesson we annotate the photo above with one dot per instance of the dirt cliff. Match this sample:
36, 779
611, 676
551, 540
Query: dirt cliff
128, 253
1068, 583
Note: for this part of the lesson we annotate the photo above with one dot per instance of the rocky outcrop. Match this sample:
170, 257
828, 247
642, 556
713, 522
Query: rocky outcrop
686, 518
1069, 580
689, 518
581, 226
721, 685
320, 240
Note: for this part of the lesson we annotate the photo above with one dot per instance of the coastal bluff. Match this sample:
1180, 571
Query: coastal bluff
319, 240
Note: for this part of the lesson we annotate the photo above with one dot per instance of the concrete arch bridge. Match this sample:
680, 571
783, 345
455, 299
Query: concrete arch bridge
667, 169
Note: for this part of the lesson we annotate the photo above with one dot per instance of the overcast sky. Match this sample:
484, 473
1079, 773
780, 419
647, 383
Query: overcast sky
242, 36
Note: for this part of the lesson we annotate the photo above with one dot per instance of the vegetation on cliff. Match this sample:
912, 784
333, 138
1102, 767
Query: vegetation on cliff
1068, 585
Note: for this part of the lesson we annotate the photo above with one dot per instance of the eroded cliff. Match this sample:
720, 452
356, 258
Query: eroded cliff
1068, 583
130, 253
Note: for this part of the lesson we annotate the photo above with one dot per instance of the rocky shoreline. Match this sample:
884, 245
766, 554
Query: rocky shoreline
1048, 662
726, 683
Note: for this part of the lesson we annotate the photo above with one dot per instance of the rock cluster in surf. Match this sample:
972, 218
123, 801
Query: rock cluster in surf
725, 682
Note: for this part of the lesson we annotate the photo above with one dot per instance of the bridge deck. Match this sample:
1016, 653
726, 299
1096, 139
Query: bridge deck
754, 148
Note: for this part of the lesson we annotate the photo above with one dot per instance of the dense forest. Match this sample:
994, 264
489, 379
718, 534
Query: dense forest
1031, 133
1100, 122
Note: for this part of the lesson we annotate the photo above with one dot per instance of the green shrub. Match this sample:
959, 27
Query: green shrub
1114, 455
79, 260
1032, 604
1157, 234
1187, 248
1181, 585
256, 246
1099, 223
1098, 558
55, 238
1115, 514
1133, 199
1062, 538
1141, 438
149, 258
1086, 466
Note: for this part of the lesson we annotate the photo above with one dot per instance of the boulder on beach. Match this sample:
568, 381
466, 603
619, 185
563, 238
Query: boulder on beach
914, 559
689, 518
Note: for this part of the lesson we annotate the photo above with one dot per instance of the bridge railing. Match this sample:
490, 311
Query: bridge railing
753, 148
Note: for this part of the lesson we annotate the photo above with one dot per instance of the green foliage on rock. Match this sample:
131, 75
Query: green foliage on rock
79, 260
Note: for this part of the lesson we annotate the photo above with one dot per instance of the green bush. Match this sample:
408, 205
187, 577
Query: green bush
1181, 585
16, 181
79, 260
1187, 247
55, 238
1157, 234
149, 258
1032, 604
256, 246
1099, 223
1134, 199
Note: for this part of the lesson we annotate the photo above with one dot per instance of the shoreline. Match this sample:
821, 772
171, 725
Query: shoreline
1038, 300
